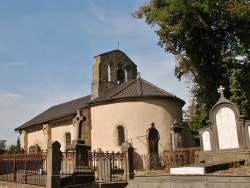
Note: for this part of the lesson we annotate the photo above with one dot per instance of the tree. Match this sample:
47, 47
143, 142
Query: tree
2, 144
15, 149
211, 43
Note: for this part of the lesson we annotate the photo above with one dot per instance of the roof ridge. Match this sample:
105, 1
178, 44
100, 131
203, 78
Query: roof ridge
139, 86
69, 101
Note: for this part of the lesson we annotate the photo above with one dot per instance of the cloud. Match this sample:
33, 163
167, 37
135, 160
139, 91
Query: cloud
9, 98
16, 63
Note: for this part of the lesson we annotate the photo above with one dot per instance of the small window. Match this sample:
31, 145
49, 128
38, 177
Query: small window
121, 135
68, 138
126, 75
120, 75
109, 73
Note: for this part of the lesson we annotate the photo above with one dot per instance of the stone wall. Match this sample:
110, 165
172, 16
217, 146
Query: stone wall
189, 181
108, 69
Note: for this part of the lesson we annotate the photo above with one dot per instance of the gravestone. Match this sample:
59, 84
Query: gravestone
226, 136
225, 141
176, 133
34, 149
153, 138
104, 166
81, 172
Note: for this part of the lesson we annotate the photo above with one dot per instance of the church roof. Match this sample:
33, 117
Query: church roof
135, 88
132, 89
58, 111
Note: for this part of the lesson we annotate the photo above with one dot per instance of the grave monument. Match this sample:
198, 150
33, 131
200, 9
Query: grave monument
224, 141
81, 171
227, 134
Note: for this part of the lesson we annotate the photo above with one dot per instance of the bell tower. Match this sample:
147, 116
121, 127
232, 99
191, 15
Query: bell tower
111, 69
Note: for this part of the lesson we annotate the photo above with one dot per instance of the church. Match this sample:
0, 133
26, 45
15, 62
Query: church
122, 107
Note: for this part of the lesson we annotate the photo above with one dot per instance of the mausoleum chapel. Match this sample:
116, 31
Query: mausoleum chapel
122, 107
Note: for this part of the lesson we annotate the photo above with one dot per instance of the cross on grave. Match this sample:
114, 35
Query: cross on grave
78, 122
221, 91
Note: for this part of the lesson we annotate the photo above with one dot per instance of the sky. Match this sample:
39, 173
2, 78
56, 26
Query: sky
47, 50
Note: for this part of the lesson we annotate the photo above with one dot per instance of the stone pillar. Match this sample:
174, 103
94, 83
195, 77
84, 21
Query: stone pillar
53, 165
104, 166
47, 136
23, 140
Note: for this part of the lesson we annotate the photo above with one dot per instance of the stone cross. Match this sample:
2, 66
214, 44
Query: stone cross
78, 122
221, 91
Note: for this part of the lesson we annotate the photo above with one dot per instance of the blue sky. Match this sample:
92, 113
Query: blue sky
47, 49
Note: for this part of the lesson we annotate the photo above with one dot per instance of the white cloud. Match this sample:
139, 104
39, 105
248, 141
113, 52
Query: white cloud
9, 98
16, 63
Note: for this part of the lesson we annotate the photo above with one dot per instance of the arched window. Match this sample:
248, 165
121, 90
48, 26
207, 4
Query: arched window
126, 75
109, 73
121, 134
68, 138
120, 75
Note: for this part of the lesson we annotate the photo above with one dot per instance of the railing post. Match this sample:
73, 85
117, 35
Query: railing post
53, 165
14, 168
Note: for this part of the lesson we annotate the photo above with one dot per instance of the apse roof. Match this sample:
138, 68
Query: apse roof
135, 88
132, 89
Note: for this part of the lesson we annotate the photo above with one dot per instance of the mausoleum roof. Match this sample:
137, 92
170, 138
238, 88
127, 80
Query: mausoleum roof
57, 111
134, 89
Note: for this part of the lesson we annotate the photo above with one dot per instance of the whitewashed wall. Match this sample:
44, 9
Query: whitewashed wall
136, 117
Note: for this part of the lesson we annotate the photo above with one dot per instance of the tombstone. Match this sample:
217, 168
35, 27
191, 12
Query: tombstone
128, 150
104, 166
153, 138
34, 149
226, 136
81, 172
176, 132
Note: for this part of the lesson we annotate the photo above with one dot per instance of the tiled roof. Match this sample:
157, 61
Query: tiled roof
135, 88
58, 111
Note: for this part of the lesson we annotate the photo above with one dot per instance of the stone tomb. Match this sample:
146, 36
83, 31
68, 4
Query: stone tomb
226, 136
225, 141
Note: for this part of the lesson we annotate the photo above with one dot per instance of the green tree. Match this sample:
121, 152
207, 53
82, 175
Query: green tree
2, 144
15, 149
211, 43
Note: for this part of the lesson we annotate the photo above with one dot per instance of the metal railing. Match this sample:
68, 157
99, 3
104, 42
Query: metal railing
108, 167
93, 167
24, 168
167, 159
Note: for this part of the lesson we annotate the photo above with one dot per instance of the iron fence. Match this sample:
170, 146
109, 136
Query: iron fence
24, 168
108, 167
167, 159
92, 167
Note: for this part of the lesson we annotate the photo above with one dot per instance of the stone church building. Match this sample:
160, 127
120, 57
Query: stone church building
122, 107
